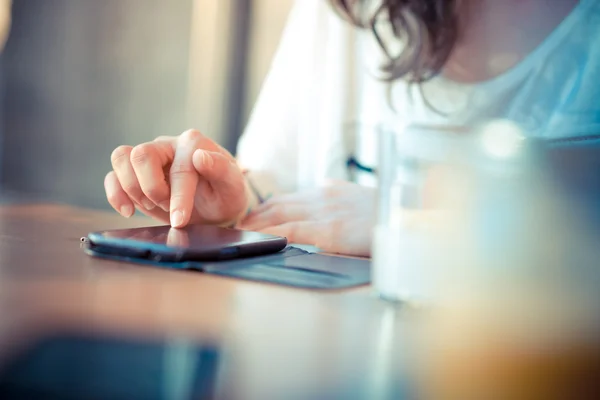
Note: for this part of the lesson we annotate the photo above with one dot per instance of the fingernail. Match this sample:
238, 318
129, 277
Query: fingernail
207, 160
148, 205
165, 205
176, 218
127, 211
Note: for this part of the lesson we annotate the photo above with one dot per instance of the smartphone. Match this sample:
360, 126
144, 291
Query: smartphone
192, 243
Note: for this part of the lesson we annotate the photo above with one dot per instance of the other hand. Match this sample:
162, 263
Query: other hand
338, 218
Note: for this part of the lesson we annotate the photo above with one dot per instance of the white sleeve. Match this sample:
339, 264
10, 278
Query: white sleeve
268, 147
5, 21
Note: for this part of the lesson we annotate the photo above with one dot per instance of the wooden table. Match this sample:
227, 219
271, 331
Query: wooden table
279, 341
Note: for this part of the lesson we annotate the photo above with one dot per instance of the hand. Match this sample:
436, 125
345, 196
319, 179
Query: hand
178, 179
338, 218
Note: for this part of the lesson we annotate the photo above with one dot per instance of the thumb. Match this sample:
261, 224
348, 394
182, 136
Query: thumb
227, 181
215, 167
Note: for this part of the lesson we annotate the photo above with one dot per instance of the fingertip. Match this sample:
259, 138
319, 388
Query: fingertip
178, 219
127, 210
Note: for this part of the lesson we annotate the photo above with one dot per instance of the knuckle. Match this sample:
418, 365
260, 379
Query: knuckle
330, 191
164, 138
181, 170
190, 135
109, 178
133, 189
112, 197
120, 154
154, 191
277, 215
141, 154
182, 166
178, 198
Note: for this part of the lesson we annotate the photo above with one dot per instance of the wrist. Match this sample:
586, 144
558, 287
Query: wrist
253, 199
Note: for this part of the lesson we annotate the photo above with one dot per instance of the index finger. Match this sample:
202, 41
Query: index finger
184, 178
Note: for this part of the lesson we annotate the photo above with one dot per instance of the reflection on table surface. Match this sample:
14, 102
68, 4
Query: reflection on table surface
273, 341
265, 341
104, 367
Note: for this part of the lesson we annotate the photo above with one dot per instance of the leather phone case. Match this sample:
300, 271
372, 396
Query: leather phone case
290, 267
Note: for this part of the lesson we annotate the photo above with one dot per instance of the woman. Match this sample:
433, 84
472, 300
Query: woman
456, 62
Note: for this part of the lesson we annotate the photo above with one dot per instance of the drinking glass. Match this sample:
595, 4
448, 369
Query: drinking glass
405, 249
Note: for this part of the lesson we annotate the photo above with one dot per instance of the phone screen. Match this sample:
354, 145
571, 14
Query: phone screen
198, 236
191, 242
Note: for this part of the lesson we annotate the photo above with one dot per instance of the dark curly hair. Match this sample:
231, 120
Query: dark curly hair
427, 29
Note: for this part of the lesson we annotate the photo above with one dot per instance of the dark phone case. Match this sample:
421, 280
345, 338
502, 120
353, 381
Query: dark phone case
290, 267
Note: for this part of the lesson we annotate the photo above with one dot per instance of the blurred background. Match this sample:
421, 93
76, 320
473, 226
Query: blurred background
80, 77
